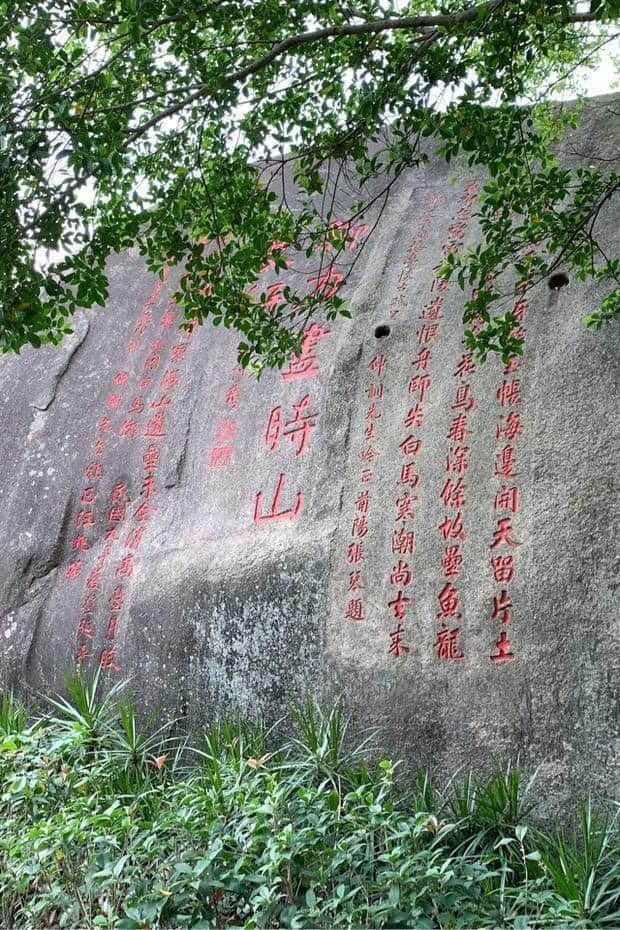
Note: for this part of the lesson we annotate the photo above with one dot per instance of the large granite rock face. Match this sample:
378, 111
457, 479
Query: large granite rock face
382, 520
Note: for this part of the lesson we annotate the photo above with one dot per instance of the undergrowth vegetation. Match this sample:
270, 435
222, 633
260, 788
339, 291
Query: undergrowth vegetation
103, 825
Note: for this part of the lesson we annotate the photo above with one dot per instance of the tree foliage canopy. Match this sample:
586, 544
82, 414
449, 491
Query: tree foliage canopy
221, 137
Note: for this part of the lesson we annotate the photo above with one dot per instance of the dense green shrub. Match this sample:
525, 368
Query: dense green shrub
103, 826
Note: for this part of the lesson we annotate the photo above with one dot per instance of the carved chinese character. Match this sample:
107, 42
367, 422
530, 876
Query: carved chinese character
298, 429
105, 425
453, 493
111, 627
163, 403
89, 603
398, 605
125, 568
420, 384
401, 574
355, 610
155, 426
143, 321
370, 432
414, 417
457, 459
117, 597
93, 470
80, 543
73, 569
231, 396
452, 527
366, 475
225, 431
509, 393
432, 310
107, 659
503, 567
133, 345
152, 362
84, 518
151, 457
355, 581
144, 511
502, 607
513, 365
167, 319
404, 507
458, 428
82, 653
92, 582
177, 354
408, 476
355, 553
452, 561
327, 283
465, 367
144, 383
503, 534
120, 378
503, 646
397, 646
463, 398
88, 495
375, 390
403, 542
275, 514
113, 401
447, 646
360, 527
411, 445
422, 359
170, 378
373, 413
429, 332
99, 446
305, 365
377, 364
85, 628
505, 462
129, 429
220, 457
368, 454
513, 426
449, 603
148, 489
507, 498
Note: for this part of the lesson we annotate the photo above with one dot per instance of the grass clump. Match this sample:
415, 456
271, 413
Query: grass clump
102, 825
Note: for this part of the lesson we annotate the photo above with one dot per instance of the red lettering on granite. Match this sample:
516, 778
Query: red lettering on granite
447, 645
457, 459
73, 569
503, 567
503, 646
503, 534
355, 553
452, 561
275, 514
397, 646
452, 527
502, 607
401, 574
403, 542
355, 610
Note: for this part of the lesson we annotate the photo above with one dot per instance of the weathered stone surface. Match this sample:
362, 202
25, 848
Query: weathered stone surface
216, 608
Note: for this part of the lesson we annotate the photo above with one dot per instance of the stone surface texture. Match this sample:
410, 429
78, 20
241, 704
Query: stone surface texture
209, 606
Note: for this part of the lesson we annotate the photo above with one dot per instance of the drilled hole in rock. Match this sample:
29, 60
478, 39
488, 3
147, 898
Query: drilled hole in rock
556, 281
382, 331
